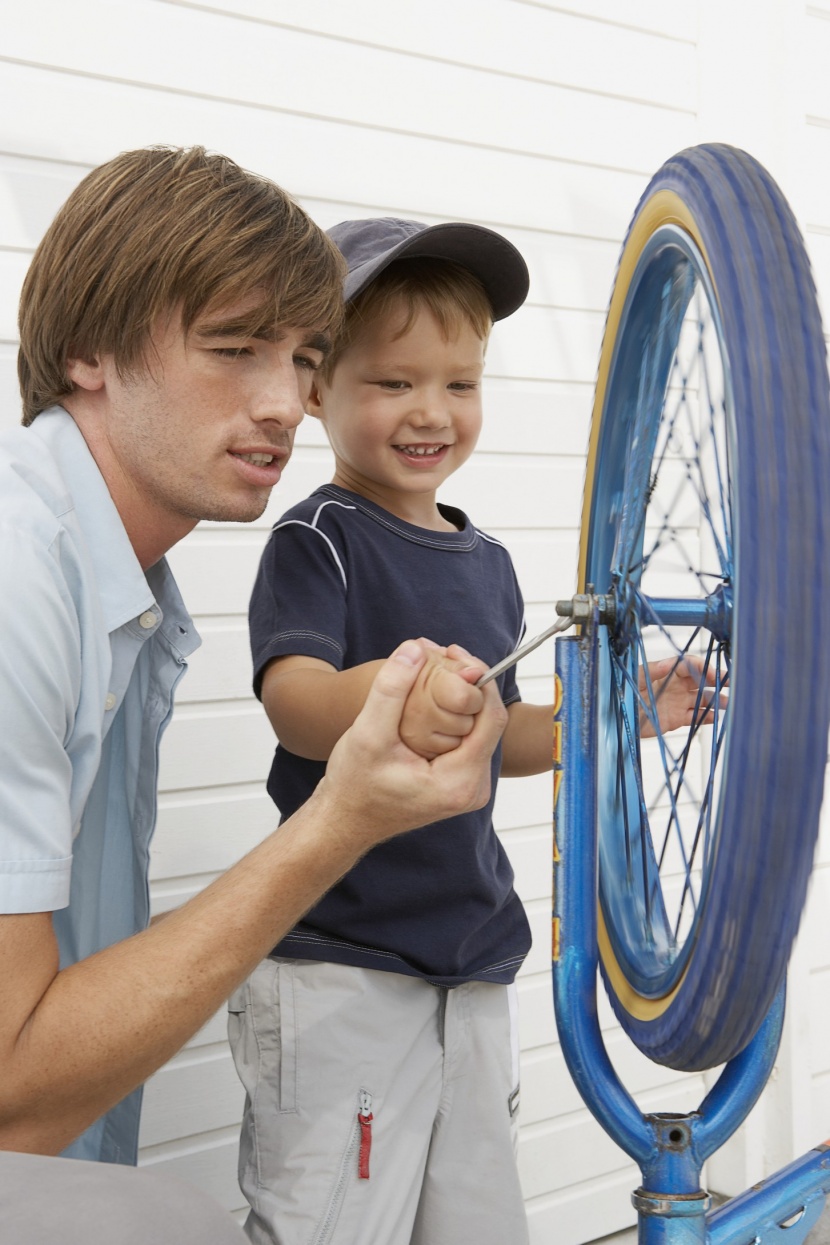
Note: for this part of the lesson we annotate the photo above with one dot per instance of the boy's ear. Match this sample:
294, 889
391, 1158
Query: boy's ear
314, 402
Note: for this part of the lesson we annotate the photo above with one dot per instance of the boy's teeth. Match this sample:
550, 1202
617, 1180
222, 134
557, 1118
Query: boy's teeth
421, 449
259, 460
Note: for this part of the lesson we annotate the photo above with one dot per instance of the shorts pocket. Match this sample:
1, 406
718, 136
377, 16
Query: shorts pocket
288, 1036
262, 1030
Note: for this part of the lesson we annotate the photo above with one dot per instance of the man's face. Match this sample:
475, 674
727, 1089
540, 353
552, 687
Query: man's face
206, 430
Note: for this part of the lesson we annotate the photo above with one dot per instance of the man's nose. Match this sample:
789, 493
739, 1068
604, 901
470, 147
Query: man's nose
279, 398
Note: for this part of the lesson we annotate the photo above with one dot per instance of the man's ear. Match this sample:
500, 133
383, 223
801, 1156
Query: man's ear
314, 402
85, 373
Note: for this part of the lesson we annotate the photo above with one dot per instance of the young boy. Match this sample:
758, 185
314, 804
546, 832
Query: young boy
378, 1043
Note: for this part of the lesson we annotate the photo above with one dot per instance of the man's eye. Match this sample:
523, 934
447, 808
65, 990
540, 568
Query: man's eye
232, 352
307, 364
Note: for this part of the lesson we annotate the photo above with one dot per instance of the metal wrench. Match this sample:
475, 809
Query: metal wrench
561, 624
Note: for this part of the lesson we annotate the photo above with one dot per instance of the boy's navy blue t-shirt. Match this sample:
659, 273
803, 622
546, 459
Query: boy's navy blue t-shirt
343, 580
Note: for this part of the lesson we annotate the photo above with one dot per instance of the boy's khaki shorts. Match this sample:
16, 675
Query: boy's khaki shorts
319, 1047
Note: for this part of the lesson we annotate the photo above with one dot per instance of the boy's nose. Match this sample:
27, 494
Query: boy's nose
431, 412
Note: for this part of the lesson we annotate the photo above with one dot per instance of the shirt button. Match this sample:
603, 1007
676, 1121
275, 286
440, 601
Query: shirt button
147, 620
111, 701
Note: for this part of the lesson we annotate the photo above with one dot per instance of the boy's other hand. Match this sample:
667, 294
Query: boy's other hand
441, 708
681, 695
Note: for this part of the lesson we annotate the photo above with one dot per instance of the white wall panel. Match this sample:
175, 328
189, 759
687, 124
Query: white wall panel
816, 52
386, 90
216, 571
200, 1086
211, 829
819, 244
13, 265
202, 744
485, 493
544, 120
676, 21
536, 417
9, 391
221, 668
582, 1212
30, 194
362, 166
517, 803
547, 44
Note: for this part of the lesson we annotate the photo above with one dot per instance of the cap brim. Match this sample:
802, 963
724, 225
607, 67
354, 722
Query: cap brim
491, 258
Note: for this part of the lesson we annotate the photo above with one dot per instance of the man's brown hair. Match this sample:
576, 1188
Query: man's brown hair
163, 229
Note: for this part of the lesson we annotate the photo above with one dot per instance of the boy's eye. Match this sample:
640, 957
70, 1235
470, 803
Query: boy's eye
463, 386
393, 384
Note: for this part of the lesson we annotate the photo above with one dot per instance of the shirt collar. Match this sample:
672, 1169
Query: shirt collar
122, 584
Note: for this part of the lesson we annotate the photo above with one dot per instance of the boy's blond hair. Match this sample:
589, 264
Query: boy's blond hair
163, 229
449, 291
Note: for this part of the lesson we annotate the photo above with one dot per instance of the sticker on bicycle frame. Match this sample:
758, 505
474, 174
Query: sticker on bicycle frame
557, 786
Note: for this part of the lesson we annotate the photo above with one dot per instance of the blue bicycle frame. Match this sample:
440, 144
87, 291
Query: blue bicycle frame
669, 1149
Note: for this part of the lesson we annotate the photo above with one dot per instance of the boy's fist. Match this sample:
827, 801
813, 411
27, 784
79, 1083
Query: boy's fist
441, 708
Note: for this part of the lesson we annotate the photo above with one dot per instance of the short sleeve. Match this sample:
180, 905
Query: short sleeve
510, 687
39, 686
510, 691
298, 604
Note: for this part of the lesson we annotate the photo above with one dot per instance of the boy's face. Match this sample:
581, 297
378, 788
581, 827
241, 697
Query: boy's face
403, 413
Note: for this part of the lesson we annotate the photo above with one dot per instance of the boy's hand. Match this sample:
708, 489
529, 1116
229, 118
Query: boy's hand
441, 708
676, 684
377, 787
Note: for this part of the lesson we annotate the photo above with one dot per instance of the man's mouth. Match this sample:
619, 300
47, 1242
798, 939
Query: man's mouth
258, 460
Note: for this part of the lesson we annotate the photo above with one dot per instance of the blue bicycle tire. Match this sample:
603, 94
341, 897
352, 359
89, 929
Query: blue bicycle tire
717, 210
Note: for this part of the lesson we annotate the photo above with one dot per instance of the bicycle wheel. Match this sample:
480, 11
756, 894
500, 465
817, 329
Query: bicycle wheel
703, 522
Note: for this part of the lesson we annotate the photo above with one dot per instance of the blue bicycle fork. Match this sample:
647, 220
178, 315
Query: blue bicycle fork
669, 1149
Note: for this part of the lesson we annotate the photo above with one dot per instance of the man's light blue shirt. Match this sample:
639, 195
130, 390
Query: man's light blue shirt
92, 649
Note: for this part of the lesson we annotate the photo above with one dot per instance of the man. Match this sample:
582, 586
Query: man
170, 324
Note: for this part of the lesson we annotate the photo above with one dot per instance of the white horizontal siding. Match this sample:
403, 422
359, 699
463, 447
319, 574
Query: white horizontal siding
544, 120
384, 85
537, 42
375, 168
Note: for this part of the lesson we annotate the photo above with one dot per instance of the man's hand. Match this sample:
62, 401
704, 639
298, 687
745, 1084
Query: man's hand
380, 787
441, 708
676, 684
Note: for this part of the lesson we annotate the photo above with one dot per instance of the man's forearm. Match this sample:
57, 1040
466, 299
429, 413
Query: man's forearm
73, 1043
101, 1027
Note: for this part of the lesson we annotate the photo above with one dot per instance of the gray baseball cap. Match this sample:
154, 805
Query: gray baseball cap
371, 245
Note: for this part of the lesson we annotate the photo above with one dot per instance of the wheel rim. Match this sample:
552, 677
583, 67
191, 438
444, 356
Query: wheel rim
662, 529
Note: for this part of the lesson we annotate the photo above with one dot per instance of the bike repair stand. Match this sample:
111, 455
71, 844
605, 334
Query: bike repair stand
669, 1149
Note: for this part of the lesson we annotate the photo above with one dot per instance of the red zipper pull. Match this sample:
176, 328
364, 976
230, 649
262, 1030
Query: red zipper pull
364, 1119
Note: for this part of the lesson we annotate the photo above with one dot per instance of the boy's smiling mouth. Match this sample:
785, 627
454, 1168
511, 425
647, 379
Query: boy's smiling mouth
420, 451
